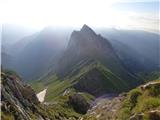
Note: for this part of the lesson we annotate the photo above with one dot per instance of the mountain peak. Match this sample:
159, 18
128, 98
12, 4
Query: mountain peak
86, 28
86, 37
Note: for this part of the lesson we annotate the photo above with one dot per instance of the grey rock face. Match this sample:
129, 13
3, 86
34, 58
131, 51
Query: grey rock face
19, 100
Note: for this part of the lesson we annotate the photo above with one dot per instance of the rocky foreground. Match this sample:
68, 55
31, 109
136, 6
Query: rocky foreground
141, 103
19, 102
105, 108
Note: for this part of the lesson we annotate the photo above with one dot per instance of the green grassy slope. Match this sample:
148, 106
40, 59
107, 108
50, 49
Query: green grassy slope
143, 102
100, 80
19, 102
94, 79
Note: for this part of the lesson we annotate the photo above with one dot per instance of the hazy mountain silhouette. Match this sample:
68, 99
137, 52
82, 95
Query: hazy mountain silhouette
33, 55
86, 48
36, 54
144, 44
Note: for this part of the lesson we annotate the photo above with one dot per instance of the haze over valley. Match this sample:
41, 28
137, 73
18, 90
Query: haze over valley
91, 60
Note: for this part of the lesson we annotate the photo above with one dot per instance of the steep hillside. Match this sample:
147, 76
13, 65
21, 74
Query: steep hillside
89, 58
37, 52
86, 44
11, 33
94, 79
133, 59
141, 103
19, 102
99, 80
142, 45
6, 60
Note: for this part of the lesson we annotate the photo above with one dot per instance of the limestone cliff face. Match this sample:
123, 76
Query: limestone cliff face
18, 100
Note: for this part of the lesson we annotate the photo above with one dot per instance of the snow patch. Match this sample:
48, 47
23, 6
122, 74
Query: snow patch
41, 95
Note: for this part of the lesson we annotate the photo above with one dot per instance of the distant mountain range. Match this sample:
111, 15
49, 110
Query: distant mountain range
142, 47
78, 68
91, 64
11, 33
45, 52
86, 48
32, 55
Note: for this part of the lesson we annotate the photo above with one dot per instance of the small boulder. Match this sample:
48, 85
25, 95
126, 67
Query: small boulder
79, 103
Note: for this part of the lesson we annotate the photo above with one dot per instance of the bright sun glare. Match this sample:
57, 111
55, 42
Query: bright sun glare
40, 13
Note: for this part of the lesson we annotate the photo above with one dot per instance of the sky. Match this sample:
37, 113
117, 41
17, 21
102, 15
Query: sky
123, 14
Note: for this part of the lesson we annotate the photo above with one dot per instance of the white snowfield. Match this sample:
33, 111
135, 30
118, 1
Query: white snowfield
41, 95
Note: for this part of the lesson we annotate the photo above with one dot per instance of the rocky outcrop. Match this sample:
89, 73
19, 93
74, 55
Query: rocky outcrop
138, 104
19, 100
105, 108
79, 103
142, 103
150, 84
